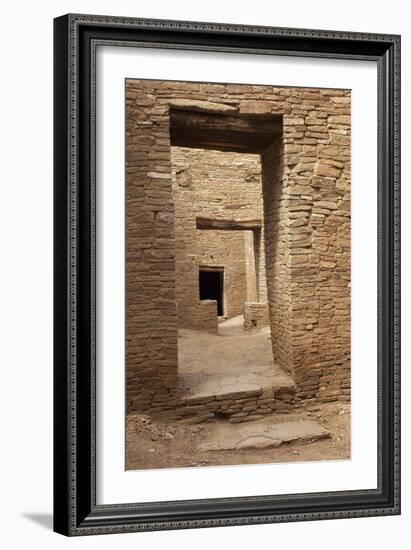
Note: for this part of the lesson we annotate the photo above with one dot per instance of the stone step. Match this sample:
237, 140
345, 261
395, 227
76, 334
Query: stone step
262, 435
222, 392
236, 402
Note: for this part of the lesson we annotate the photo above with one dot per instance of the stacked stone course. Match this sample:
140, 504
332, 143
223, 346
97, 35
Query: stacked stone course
255, 315
306, 234
242, 405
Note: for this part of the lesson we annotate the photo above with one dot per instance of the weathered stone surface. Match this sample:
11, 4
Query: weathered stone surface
327, 170
330, 205
255, 106
255, 315
293, 121
301, 181
239, 391
263, 435
341, 119
201, 106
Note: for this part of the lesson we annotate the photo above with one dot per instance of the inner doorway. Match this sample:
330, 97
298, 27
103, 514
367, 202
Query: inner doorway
211, 283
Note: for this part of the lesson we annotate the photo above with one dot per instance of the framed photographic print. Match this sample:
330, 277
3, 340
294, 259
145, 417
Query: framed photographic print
226, 275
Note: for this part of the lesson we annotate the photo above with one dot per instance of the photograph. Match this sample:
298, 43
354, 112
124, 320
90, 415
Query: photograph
226, 274
237, 274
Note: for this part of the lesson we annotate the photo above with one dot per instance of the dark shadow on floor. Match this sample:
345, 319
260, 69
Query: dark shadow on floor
45, 520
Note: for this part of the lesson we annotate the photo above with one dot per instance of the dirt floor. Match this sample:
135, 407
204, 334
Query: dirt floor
156, 443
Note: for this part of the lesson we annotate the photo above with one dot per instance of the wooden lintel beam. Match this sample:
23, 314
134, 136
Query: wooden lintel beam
225, 224
260, 124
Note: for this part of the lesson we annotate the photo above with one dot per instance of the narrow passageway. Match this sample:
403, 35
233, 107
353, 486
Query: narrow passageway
229, 362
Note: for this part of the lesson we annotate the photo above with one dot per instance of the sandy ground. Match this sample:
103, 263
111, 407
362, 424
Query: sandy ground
156, 443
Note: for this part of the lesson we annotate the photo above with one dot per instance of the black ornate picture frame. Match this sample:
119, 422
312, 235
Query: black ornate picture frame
76, 38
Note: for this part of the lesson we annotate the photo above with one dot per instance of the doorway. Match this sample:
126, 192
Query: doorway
211, 284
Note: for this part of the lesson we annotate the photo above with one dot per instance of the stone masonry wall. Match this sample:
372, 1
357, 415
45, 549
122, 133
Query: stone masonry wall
313, 211
316, 187
213, 184
276, 255
151, 316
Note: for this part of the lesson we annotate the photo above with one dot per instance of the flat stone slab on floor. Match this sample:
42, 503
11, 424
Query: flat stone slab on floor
226, 391
229, 437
